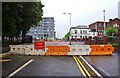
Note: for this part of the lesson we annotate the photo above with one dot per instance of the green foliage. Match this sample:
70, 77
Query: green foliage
110, 31
115, 44
67, 36
20, 16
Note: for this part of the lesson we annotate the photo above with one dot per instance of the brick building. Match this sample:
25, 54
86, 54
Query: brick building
115, 23
99, 25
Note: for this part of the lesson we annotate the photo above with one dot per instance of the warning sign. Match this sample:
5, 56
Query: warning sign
39, 45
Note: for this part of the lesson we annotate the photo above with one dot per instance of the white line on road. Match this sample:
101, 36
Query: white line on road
104, 71
114, 54
23, 66
98, 74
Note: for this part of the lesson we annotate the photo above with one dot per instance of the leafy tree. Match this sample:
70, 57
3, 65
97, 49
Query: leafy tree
110, 31
67, 36
20, 16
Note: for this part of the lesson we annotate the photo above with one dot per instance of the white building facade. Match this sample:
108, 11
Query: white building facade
80, 32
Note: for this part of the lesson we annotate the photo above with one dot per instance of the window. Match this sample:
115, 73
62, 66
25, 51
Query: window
84, 31
80, 31
75, 31
76, 36
93, 33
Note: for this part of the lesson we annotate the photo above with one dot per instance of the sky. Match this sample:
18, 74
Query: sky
83, 12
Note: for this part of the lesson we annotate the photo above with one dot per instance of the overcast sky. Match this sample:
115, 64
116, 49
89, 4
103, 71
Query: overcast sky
83, 12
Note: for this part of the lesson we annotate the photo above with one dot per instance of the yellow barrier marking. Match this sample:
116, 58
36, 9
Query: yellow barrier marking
5, 60
79, 67
84, 68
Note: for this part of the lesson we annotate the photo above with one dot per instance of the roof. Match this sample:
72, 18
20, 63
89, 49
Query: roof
98, 22
80, 27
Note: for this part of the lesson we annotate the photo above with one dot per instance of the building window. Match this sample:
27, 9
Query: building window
80, 31
75, 31
93, 33
76, 36
84, 31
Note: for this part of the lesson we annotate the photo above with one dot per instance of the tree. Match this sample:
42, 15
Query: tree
110, 31
20, 16
67, 36
31, 14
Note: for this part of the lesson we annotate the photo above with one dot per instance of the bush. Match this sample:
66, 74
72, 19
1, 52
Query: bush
115, 44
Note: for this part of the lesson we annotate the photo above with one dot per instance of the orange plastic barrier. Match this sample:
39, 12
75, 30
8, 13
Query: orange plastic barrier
101, 50
57, 50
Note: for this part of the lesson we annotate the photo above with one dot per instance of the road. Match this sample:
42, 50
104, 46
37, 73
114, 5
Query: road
42, 66
59, 65
105, 64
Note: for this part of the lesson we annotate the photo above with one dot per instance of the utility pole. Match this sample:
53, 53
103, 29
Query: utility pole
104, 22
70, 25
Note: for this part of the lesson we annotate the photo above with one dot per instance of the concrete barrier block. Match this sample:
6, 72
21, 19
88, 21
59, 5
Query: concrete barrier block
80, 49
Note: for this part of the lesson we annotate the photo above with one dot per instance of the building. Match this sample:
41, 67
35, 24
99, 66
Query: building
114, 23
44, 30
99, 25
80, 32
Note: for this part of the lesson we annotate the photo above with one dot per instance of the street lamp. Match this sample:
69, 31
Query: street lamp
70, 17
70, 24
104, 22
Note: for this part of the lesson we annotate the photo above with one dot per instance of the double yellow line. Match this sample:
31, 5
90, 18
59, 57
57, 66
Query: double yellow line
81, 67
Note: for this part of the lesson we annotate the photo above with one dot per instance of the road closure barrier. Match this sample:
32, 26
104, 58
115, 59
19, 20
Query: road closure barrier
18, 49
57, 50
79, 50
101, 50
41, 49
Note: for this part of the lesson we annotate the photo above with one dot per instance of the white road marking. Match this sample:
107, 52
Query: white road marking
104, 71
19, 69
91, 67
114, 54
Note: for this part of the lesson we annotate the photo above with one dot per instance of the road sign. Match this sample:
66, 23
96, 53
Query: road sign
39, 45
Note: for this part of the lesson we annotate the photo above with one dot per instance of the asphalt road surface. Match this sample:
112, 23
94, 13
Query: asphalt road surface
15, 63
42, 66
106, 64
51, 66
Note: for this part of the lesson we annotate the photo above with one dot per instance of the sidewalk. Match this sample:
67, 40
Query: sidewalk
4, 52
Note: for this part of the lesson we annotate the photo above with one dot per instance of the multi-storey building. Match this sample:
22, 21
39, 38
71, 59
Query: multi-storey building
45, 29
80, 32
114, 23
99, 25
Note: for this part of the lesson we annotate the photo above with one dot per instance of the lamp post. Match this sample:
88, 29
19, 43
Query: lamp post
104, 22
70, 17
70, 24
